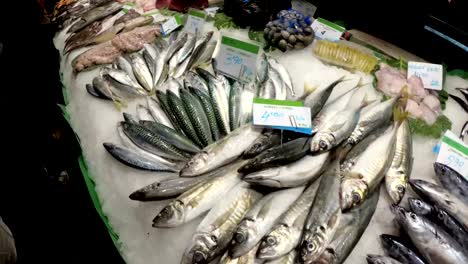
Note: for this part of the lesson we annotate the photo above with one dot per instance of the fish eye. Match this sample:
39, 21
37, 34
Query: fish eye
214, 238
440, 215
270, 240
198, 257
322, 144
257, 145
418, 203
413, 216
400, 189
239, 237
356, 197
310, 246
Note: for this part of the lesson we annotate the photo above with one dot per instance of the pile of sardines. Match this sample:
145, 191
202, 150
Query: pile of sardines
436, 226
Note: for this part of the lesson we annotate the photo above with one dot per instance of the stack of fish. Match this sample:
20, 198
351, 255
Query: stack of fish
437, 224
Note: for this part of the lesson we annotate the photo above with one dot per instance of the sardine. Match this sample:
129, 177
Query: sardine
261, 218
399, 171
267, 140
208, 108
141, 71
94, 15
378, 259
176, 46
372, 119
157, 112
369, 170
395, 248
215, 231
184, 52
221, 152
135, 160
246, 103
324, 217
143, 113
452, 180
286, 233
279, 87
279, 155
295, 174
124, 64
198, 199
267, 90
171, 136
160, 67
123, 78
286, 78
123, 89
435, 244
262, 68
197, 116
198, 50
234, 105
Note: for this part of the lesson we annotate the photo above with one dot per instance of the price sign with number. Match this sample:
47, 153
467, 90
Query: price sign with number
325, 29
237, 59
195, 21
171, 24
282, 114
454, 153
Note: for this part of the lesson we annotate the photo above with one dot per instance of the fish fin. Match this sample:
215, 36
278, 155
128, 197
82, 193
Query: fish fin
399, 115
366, 101
308, 89
265, 209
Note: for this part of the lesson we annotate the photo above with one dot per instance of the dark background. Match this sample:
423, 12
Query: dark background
51, 215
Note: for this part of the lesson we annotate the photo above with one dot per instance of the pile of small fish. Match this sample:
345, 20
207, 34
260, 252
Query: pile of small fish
436, 225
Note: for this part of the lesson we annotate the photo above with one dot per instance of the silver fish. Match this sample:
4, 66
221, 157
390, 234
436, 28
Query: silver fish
157, 112
246, 103
248, 258
207, 54
435, 244
219, 98
94, 15
124, 64
290, 258
221, 152
286, 78
262, 68
378, 259
261, 218
234, 105
286, 233
160, 66
215, 231
294, 174
141, 71
184, 52
180, 69
198, 50
194, 80
317, 99
452, 180
122, 77
175, 46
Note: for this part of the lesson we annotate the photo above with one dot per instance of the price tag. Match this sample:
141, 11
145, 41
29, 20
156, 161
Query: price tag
454, 153
304, 7
430, 74
195, 21
171, 24
325, 29
237, 59
282, 114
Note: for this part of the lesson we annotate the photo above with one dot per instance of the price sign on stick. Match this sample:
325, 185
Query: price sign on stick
282, 114
430, 74
171, 24
454, 153
237, 59
195, 21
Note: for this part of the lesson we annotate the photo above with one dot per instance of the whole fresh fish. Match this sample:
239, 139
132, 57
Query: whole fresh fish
261, 218
208, 108
136, 22
200, 47
221, 152
279, 87
268, 139
90, 89
177, 106
165, 189
338, 129
276, 66
248, 258
184, 52
176, 46
262, 68
95, 14
443, 199
435, 244
171, 136
290, 258
464, 131
317, 99
124, 90
82, 38
399, 171
157, 112
150, 54
180, 69
267, 90
351, 227
369, 170
141, 71
324, 217
452, 181
198, 199
135, 160
285, 235
197, 116
395, 248
129, 118
330, 110
161, 69
144, 113
123, 78
234, 105
294, 174
219, 99
378, 259
162, 98
151, 142
102, 88
215, 231
460, 101
246, 103
372, 119
125, 65
207, 55
441, 218
193, 80
278, 155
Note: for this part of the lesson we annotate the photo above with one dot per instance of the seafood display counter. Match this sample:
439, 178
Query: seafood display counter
150, 111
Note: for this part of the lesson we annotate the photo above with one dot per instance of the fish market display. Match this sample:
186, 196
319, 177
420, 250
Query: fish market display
452, 181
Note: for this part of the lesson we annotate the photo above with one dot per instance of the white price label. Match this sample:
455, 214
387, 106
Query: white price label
454, 153
171, 24
282, 114
304, 7
195, 21
237, 59
430, 74
325, 29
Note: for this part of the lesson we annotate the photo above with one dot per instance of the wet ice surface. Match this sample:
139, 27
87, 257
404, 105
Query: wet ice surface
95, 120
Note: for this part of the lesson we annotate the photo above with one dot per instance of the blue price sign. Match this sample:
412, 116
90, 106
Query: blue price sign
454, 153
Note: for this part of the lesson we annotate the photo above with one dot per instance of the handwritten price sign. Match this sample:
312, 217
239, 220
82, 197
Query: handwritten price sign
237, 59
282, 114
454, 153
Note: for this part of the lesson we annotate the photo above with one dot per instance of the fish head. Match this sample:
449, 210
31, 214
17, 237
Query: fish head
244, 238
432, 192
170, 216
419, 207
314, 242
277, 243
327, 257
200, 248
397, 190
442, 170
408, 220
353, 192
388, 242
265, 177
195, 165
322, 142
257, 147
375, 259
